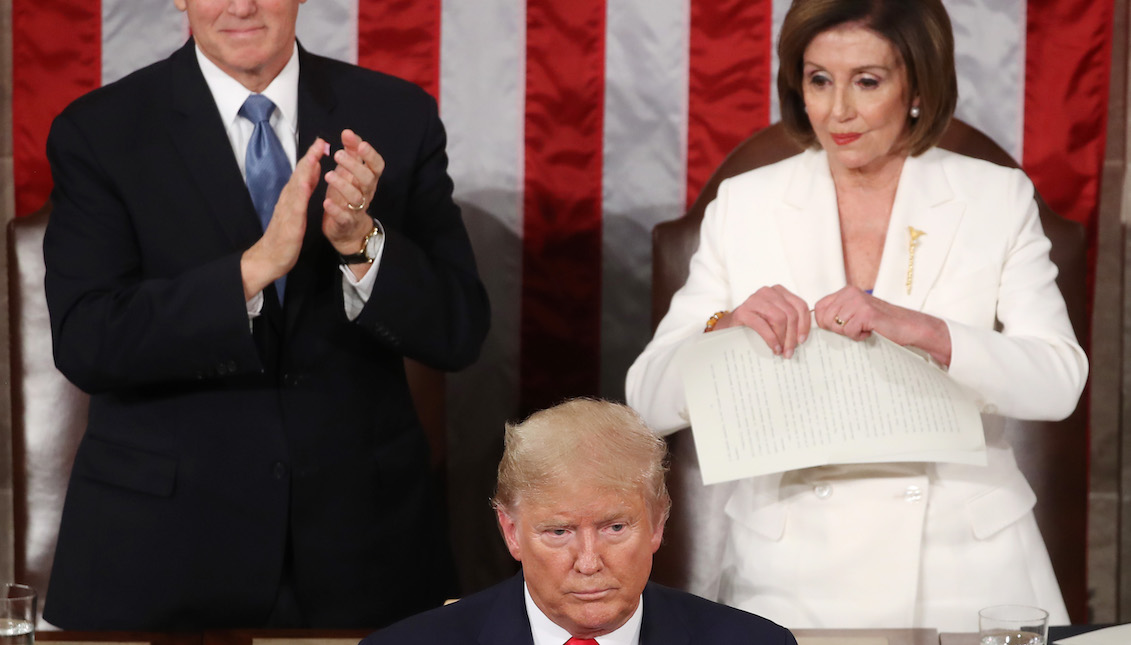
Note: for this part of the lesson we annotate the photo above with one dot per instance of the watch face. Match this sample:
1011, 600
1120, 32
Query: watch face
371, 240
368, 253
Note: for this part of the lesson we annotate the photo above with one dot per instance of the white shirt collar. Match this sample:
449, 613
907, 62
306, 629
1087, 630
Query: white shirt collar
230, 94
547, 632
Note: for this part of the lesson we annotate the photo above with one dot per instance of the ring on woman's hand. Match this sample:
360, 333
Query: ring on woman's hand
358, 207
838, 321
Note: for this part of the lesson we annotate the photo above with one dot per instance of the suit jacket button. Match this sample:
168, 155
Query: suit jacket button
280, 470
913, 494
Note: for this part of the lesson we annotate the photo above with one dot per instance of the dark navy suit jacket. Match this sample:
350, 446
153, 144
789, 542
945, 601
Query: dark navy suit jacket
497, 616
212, 447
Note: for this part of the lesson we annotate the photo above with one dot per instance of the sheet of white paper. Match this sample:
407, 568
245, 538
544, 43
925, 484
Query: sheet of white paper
1117, 635
834, 401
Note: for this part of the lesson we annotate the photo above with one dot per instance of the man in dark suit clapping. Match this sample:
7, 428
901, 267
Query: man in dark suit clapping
246, 243
581, 502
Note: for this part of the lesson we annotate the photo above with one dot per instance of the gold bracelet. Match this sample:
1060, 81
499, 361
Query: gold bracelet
714, 320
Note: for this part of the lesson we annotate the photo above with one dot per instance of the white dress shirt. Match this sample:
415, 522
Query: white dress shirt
230, 95
547, 632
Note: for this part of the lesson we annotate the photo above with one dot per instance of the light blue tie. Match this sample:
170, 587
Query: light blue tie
266, 164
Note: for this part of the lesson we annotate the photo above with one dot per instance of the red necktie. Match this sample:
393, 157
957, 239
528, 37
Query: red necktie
581, 641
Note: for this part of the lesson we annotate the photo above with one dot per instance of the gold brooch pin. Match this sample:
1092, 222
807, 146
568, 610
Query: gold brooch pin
911, 244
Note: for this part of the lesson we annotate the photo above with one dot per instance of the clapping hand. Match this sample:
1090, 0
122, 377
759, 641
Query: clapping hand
351, 186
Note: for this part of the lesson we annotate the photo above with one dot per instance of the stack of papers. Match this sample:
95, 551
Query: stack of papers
835, 401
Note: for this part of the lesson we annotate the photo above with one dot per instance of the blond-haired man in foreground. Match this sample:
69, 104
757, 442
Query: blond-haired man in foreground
581, 503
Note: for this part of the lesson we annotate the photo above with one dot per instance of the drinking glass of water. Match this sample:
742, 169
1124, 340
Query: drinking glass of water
1013, 625
17, 614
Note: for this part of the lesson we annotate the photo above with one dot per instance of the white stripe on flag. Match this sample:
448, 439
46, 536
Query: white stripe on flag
645, 166
990, 57
135, 34
482, 99
781, 7
329, 28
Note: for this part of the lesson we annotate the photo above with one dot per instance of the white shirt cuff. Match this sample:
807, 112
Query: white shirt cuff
255, 306
357, 291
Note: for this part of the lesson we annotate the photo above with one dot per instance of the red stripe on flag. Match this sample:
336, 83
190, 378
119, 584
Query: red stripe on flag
402, 38
729, 81
561, 278
1067, 65
1067, 69
56, 57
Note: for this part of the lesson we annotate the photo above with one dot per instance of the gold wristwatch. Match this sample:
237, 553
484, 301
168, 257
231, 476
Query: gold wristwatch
368, 251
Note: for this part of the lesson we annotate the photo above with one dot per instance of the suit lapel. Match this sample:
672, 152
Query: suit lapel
316, 103
507, 621
664, 623
199, 138
810, 228
925, 202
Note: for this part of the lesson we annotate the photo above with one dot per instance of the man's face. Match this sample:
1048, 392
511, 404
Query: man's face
251, 40
586, 554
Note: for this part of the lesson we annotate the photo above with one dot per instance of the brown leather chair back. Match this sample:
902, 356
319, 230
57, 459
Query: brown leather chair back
49, 413
1053, 456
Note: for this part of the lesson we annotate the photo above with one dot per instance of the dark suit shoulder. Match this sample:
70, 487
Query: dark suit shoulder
459, 622
353, 81
669, 610
136, 93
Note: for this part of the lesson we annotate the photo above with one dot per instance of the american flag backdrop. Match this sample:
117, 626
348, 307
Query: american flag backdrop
576, 125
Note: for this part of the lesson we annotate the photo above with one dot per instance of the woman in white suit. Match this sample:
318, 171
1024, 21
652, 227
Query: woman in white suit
869, 86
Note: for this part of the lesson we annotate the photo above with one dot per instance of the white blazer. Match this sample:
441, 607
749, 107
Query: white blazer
982, 266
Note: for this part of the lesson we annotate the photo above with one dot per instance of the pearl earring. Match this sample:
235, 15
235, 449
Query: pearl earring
914, 111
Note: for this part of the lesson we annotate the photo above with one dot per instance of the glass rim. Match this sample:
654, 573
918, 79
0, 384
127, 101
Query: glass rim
21, 592
1014, 613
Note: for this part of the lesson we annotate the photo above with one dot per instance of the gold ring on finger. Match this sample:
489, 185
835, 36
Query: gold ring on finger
838, 321
358, 207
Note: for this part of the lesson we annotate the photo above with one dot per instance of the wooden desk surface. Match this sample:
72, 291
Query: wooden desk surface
959, 639
352, 636
866, 636
119, 638
210, 637
285, 636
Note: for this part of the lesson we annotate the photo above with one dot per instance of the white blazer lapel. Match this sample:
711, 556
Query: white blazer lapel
809, 226
924, 202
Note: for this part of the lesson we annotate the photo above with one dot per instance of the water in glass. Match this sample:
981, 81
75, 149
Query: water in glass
16, 632
1012, 638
